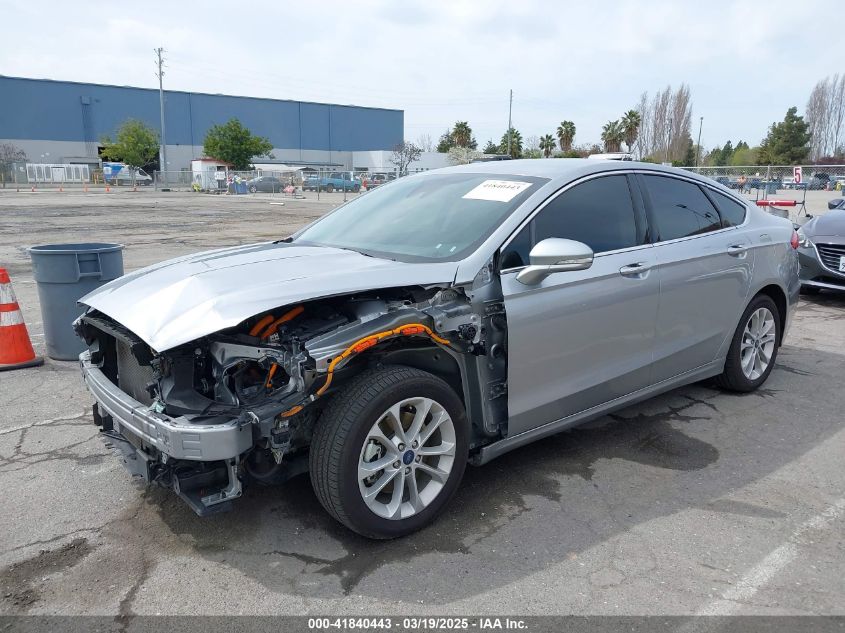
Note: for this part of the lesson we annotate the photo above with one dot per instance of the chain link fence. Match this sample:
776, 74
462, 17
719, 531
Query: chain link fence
318, 182
772, 179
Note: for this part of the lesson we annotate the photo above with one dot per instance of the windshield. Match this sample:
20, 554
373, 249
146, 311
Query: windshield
434, 217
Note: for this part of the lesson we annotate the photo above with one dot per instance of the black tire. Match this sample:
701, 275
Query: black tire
356, 188
810, 290
253, 189
329, 188
342, 430
733, 378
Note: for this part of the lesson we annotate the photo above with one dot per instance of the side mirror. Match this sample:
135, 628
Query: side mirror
555, 255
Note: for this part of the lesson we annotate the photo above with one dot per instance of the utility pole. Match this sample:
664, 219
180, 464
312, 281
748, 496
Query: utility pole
698, 145
510, 125
162, 153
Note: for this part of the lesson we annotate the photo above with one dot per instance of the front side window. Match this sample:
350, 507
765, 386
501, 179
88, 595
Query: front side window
599, 213
679, 208
436, 217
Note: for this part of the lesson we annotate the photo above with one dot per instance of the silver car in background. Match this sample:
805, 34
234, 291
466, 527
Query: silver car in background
441, 319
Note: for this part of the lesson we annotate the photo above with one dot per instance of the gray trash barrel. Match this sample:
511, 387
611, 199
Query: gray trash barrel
64, 273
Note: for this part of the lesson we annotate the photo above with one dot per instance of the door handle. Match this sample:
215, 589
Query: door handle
635, 269
737, 249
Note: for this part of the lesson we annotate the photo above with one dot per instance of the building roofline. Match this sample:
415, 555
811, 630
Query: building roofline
206, 94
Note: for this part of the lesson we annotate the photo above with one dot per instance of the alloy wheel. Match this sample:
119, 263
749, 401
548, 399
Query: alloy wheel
758, 343
407, 457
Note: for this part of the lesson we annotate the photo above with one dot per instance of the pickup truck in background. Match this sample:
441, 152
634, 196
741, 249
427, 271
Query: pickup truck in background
336, 180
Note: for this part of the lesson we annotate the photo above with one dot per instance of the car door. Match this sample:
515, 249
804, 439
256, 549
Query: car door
705, 273
581, 338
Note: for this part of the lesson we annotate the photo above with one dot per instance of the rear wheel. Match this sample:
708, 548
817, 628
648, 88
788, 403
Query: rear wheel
330, 188
253, 189
389, 451
754, 347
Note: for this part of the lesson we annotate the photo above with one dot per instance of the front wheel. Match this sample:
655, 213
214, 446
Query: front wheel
389, 451
329, 188
253, 189
754, 347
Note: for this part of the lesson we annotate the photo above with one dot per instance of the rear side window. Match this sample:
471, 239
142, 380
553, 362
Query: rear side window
732, 212
679, 208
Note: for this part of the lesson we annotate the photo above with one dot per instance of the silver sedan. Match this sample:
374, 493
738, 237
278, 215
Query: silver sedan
439, 320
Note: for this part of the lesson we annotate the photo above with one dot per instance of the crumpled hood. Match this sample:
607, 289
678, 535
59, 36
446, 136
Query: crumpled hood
183, 299
830, 224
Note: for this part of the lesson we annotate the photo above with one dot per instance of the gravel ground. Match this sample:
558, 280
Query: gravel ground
697, 501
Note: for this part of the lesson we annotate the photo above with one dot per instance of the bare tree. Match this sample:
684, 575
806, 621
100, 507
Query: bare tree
9, 154
532, 143
404, 154
425, 143
826, 117
666, 120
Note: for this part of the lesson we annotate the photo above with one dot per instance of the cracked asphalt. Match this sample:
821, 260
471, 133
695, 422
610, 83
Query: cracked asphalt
697, 501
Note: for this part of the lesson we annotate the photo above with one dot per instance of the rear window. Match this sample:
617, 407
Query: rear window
732, 212
680, 208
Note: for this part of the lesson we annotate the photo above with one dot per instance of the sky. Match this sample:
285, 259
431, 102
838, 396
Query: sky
746, 61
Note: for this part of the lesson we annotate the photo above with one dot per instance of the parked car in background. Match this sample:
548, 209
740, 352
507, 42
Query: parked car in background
447, 319
821, 252
836, 203
334, 181
374, 180
265, 184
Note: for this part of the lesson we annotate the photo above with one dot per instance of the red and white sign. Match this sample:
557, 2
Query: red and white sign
796, 175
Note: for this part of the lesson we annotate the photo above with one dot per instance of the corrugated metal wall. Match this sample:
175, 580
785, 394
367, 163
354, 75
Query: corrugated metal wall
36, 109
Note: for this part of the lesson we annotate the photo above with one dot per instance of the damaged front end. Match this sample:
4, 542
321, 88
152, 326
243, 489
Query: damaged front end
242, 403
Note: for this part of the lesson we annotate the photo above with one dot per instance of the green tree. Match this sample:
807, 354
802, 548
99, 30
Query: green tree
462, 135
787, 143
566, 135
233, 143
612, 134
135, 143
631, 122
515, 141
491, 148
445, 143
744, 155
547, 144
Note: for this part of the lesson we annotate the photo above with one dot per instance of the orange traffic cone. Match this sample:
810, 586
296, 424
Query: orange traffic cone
15, 348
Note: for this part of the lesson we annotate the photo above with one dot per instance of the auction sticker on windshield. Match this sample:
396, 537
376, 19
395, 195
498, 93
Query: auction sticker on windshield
497, 190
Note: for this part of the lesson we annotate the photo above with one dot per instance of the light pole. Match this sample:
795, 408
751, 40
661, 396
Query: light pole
698, 145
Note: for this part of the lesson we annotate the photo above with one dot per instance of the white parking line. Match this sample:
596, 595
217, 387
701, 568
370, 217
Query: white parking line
771, 565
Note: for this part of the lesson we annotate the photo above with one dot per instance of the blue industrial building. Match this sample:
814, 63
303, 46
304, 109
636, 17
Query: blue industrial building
64, 121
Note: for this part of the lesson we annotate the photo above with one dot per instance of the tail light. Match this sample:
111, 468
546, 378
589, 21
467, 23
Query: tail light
794, 241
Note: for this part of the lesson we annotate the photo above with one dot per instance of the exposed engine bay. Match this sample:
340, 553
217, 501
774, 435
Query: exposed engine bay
272, 374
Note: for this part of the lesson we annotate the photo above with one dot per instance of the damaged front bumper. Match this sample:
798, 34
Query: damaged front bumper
161, 448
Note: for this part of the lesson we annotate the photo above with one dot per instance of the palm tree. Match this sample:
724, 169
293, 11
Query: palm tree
565, 135
631, 121
462, 134
612, 134
547, 144
516, 143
